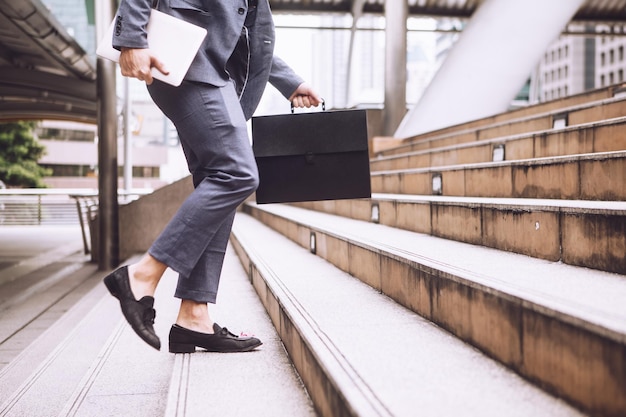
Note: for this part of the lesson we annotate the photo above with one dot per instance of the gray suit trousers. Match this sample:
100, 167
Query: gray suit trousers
212, 130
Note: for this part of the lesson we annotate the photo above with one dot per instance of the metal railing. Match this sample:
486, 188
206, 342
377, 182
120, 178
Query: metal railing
42, 206
38, 207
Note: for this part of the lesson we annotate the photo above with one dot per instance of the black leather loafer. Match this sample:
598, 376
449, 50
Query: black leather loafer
139, 314
185, 341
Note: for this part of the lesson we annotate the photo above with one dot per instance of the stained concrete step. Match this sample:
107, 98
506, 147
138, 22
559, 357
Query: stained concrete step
360, 353
529, 119
560, 326
90, 363
597, 176
604, 136
582, 233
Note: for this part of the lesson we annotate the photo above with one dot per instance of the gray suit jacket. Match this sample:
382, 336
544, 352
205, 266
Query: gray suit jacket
224, 21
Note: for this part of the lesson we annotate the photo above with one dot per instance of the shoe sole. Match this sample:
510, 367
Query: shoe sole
191, 348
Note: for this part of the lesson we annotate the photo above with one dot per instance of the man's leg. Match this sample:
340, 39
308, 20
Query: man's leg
214, 137
213, 132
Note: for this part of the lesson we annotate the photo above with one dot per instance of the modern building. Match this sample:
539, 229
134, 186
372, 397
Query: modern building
609, 57
72, 155
71, 148
583, 59
567, 67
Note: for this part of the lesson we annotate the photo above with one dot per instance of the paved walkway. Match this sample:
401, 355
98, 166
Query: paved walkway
26, 248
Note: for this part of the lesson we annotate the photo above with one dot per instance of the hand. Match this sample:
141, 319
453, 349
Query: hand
305, 96
138, 63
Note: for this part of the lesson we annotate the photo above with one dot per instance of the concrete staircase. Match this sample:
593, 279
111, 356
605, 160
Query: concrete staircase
499, 293
465, 285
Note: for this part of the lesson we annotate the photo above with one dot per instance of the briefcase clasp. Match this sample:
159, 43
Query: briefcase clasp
309, 157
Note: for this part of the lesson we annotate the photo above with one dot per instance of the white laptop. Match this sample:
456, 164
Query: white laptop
174, 41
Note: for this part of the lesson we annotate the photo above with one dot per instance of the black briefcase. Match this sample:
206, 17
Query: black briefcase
312, 156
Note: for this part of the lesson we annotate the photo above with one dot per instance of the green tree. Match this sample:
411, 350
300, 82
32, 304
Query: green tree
19, 153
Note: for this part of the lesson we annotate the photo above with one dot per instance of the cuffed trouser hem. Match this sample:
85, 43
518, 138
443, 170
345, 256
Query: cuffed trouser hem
197, 296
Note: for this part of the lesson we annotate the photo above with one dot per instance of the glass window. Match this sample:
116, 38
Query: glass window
49, 133
71, 170
142, 172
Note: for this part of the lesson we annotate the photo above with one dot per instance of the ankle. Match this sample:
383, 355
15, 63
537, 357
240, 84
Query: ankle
141, 283
194, 316
195, 325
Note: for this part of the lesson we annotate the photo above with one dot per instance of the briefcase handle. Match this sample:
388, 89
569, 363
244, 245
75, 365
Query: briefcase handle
323, 106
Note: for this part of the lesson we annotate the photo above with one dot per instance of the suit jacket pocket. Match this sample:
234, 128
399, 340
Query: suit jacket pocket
195, 5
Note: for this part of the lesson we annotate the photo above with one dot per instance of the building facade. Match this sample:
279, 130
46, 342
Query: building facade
72, 148
577, 62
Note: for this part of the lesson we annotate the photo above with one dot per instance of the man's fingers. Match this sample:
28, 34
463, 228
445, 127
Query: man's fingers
159, 66
138, 63
316, 100
306, 101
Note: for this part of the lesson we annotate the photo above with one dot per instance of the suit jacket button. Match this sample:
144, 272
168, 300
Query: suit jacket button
241, 10
118, 26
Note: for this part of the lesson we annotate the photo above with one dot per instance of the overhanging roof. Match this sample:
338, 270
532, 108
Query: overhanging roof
44, 72
591, 11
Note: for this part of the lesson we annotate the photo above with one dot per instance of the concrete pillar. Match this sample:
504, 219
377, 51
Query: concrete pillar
128, 139
357, 12
108, 247
486, 68
396, 14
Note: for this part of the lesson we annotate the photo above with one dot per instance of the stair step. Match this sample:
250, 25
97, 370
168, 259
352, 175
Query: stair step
582, 233
604, 136
561, 326
362, 354
597, 176
514, 122
261, 383
51, 249
35, 301
43, 376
